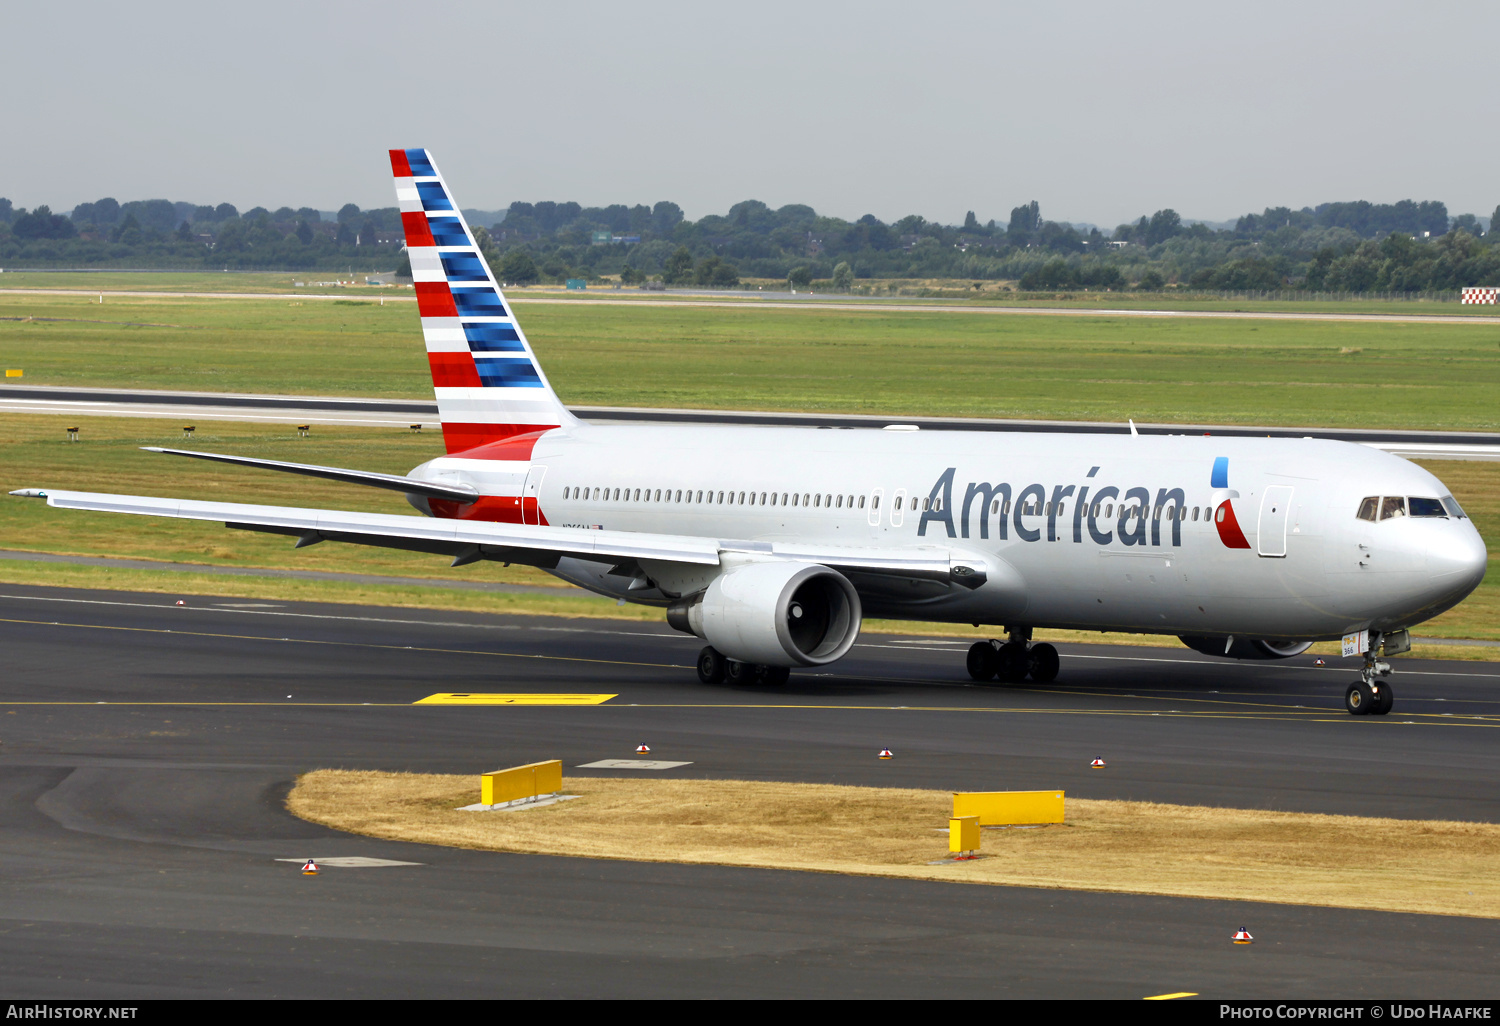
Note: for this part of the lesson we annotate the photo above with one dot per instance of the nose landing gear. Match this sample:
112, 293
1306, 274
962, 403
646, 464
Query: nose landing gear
1012, 661
1370, 696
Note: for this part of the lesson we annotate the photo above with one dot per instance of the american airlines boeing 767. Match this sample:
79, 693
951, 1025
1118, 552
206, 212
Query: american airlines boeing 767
772, 543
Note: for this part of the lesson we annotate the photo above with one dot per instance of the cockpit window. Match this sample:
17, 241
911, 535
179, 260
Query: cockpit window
1454, 509
1421, 507
1392, 506
1368, 507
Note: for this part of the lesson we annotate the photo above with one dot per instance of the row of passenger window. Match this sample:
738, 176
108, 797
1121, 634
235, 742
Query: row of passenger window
1390, 507
820, 501
730, 498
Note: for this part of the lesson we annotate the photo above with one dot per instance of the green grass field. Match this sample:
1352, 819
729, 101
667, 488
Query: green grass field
1303, 373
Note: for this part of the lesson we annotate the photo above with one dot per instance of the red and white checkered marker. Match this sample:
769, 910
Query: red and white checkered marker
1242, 936
1097, 764
310, 868
885, 753
642, 750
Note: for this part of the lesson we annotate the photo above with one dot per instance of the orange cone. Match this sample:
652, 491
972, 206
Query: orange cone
310, 869
885, 753
1097, 764
1243, 937
642, 750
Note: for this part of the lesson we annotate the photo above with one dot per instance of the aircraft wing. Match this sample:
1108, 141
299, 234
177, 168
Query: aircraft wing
467, 540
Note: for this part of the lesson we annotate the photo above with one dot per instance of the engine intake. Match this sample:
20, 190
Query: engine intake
776, 614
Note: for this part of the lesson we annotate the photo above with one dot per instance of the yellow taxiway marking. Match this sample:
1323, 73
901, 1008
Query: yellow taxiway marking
1154, 997
1339, 718
449, 698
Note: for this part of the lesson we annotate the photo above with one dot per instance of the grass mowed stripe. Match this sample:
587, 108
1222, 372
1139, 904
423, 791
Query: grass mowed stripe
1133, 847
1299, 373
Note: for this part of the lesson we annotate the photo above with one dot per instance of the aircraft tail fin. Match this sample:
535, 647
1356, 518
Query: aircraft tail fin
489, 384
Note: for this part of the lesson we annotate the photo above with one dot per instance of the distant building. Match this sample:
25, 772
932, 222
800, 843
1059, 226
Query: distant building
578, 283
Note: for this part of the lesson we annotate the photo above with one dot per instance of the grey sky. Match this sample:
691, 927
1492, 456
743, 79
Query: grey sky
1101, 111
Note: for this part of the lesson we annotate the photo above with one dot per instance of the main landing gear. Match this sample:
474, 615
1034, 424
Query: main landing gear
1369, 696
1012, 661
713, 668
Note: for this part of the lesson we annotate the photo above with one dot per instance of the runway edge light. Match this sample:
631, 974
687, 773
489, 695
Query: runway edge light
310, 868
885, 753
642, 750
1097, 764
1242, 936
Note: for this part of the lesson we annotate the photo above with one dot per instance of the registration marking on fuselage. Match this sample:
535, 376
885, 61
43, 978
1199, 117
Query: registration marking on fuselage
475, 698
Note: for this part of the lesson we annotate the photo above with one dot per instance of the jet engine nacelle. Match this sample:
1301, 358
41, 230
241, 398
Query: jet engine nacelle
775, 614
1246, 648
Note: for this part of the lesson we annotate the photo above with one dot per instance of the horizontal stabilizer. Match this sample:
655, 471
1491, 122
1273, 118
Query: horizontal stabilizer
395, 482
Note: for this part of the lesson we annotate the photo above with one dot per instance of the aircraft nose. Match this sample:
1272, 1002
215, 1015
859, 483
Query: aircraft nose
1457, 561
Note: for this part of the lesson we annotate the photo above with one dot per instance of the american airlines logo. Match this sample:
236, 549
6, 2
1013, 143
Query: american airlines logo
1134, 516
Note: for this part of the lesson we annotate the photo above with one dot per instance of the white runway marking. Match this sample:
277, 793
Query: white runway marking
217, 608
641, 764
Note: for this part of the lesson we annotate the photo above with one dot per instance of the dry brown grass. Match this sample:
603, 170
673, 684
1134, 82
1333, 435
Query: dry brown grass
1135, 847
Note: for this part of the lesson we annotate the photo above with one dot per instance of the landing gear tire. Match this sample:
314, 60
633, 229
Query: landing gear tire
1384, 699
1012, 662
1044, 663
711, 666
740, 673
775, 676
983, 660
1359, 699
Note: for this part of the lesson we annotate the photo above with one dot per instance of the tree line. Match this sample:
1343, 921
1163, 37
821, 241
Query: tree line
161, 233
1352, 246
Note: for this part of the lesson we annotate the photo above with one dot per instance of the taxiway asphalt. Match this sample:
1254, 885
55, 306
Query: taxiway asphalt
146, 749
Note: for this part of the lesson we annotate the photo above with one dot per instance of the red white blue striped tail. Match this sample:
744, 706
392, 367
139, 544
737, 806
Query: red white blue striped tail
489, 385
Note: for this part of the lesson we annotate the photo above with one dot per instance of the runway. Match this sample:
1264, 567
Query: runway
351, 411
145, 750
797, 301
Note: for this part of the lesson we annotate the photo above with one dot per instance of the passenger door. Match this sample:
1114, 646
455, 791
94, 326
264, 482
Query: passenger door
530, 511
1275, 507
